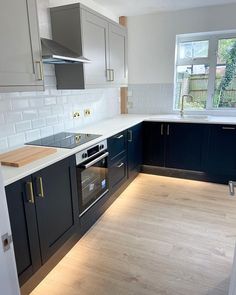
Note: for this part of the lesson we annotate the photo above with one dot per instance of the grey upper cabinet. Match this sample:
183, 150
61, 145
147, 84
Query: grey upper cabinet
20, 58
118, 54
95, 47
95, 37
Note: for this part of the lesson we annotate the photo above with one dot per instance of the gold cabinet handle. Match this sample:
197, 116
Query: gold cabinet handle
120, 165
228, 128
119, 136
112, 75
108, 75
130, 132
162, 129
39, 184
40, 67
168, 129
29, 192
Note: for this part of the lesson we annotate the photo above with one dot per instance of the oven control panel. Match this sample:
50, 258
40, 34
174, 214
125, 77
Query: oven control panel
91, 152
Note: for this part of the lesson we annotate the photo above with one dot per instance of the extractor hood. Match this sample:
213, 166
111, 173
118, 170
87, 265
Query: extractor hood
55, 53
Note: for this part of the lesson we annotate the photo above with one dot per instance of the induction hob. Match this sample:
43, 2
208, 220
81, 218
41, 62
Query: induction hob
65, 140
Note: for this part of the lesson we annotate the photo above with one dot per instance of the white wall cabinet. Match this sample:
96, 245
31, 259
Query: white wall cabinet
20, 58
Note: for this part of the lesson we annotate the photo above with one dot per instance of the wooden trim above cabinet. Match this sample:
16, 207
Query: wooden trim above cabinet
123, 90
123, 21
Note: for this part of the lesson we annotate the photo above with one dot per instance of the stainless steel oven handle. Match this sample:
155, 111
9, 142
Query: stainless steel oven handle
95, 161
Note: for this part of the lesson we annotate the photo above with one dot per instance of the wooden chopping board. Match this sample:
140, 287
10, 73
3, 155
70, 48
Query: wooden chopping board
25, 155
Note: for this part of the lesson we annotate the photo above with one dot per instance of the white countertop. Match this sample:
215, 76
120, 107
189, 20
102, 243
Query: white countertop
105, 128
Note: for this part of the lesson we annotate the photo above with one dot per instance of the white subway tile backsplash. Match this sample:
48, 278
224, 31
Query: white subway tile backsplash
36, 102
23, 126
3, 143
44, 112
7, 129
46, 131
52, 120
58, 128
30, 114
20, 104
38, 123
5, 105
16, 139
50, 101
13, 117
32, 135
2, 119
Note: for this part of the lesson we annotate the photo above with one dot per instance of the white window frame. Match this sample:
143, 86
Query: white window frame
211, 60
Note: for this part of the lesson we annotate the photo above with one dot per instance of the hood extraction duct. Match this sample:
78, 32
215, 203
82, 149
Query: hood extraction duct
55, 53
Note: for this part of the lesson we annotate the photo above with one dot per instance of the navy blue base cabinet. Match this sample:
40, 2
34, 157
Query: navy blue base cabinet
154, 144
43, 210
221, 156
174, 145
185, 146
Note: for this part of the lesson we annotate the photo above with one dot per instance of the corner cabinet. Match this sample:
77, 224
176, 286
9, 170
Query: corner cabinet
43, 210
20, 59
95, 37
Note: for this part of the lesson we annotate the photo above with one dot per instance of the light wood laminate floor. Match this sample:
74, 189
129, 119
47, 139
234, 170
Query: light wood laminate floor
162, 236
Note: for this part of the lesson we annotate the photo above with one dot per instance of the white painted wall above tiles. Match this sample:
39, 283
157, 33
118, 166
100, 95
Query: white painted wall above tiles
151, 51
30, 115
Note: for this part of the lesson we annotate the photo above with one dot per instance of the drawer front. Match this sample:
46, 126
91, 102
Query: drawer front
118, 172
116, 144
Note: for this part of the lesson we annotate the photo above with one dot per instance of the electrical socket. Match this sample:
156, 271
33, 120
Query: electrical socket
76, 115
87, 112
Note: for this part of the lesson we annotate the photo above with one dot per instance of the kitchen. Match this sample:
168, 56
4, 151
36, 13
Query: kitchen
117, 147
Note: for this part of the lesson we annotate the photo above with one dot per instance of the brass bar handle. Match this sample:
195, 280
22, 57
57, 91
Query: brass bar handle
40, 190
109, 77
162, 129
112, 75
40, 66
29, 192
228, 128
120, 165
108, 74
168, 130
130, 132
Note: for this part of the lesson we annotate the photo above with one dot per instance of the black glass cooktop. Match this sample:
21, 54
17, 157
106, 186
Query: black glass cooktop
64, 140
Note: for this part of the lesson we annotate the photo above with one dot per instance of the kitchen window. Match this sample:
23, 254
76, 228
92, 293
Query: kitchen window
206, 70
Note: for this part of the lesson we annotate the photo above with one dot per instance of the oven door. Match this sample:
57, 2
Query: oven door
92, 179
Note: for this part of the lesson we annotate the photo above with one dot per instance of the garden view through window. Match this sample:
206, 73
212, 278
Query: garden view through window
206, 70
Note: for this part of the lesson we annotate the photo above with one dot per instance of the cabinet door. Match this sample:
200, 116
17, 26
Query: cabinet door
185, 146
116, 145
118, 54
24, 229
134, 139
221, 159
55, 205
95, 48
117, 172
20, 60
153, 144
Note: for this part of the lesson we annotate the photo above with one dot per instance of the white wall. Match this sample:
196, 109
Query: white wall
152, 45
29, 116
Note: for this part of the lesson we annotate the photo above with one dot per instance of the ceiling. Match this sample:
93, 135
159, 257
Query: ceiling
138, 7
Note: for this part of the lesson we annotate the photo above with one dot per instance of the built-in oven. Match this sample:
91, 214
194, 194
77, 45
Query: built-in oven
92, 175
